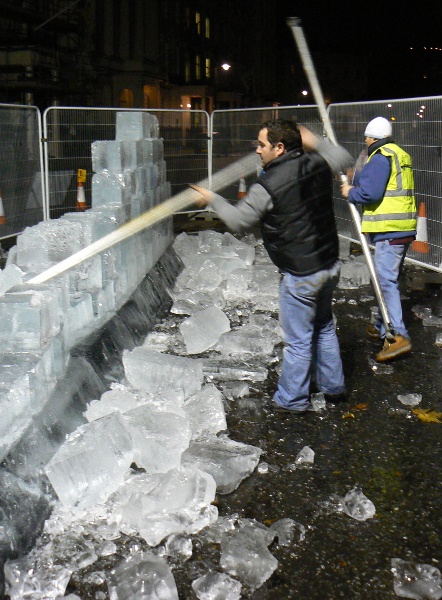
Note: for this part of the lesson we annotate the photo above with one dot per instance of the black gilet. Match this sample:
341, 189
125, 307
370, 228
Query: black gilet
299, 233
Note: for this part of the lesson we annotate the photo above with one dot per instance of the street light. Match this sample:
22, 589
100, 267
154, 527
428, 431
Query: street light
225, 67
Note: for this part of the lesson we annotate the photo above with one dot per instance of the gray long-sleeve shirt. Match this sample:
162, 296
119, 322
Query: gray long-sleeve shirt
248, 211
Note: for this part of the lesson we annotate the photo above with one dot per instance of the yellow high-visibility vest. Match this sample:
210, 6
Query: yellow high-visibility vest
397, 210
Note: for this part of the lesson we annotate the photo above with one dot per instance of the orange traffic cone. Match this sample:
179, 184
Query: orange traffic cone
81, 198
242, 190
420, 244
2, 211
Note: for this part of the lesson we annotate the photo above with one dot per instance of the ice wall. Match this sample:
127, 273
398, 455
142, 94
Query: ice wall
40, 324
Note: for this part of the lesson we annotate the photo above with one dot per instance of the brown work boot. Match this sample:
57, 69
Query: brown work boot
372, 331
400, 345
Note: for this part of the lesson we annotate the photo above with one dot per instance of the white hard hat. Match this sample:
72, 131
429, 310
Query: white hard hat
378, 128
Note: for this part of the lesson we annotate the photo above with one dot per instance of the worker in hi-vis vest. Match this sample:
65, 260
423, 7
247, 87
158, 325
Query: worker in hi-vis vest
384, 186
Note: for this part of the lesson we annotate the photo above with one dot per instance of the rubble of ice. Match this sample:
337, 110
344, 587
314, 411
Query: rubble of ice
245, 553
418, 581
155, 448
355, 504
216, 585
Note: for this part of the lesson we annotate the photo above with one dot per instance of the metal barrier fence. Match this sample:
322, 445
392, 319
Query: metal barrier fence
38, 173
21, 169
417, 127
69, 133
234, 133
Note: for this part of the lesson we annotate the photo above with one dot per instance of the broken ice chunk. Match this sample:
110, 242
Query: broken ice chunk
142, 575
419, 581
24, 580
285, 530
229, 462
155, 372
159, 437
92, 462
305, 457
219, 586
358, 506
205, 411
116, 400
160, 504
203, 329
245, 554
410, 399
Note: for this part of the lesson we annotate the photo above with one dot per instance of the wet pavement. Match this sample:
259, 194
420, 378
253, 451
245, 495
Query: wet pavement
371, 442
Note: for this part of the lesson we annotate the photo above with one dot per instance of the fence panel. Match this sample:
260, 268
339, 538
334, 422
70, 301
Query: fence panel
195, 146
69, 133
234, 133
21, 168
417, 127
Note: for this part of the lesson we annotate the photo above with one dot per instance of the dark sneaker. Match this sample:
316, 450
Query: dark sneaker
336, 398
373, 332
400, 345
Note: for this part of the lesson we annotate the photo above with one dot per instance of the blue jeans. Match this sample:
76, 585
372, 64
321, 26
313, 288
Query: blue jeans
388, 262
310, 342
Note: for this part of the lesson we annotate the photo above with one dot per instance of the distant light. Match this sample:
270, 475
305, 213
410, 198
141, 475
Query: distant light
225, 66
422, 107
304, 92
389, 105
189, 105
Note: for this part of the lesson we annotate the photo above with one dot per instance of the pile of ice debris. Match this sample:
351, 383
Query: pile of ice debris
155, 449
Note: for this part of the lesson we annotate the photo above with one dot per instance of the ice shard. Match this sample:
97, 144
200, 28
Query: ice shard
144, 576
229, 462
245, 554
159, 437
92, 462
205, 411
154, 372
203, 329
160, 504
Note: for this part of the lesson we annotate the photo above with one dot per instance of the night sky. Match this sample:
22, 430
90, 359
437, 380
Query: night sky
378, 34
362, 25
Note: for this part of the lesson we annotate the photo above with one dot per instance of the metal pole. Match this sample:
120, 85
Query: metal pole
295, 25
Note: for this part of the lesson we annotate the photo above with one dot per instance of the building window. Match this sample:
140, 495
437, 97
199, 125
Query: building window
197, 67
198, 22
207, 68
207, 22
126, 99
187, 71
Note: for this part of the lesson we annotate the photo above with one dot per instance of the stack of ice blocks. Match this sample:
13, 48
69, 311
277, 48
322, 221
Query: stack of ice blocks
39, 324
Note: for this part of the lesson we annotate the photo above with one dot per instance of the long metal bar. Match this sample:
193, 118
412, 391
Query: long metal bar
296, 27
242, 167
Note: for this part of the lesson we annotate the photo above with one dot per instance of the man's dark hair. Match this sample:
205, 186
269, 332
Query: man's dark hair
284, 131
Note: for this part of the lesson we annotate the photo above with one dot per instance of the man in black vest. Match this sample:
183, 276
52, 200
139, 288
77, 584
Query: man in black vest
292, 200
